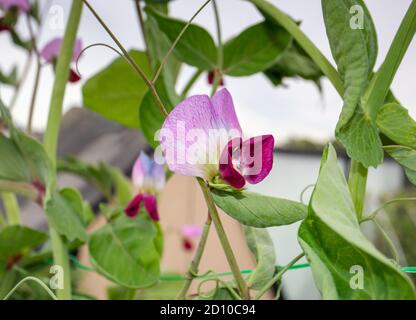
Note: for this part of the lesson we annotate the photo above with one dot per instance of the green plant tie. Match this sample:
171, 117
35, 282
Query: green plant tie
77, 264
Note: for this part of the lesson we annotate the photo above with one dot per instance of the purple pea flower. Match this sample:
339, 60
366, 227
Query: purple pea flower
202, 137
189, 233
12, 9
149, 179
22, 5
51, 50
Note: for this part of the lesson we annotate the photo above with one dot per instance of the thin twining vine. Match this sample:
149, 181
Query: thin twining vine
34, 279
99, 44
373, 215
242, 286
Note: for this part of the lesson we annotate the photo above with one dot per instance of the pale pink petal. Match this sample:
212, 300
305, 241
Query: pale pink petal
257, 158
191, 231
51, 50
192, 118
224, 107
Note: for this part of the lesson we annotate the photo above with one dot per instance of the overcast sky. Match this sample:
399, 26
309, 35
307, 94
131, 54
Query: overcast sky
298, 110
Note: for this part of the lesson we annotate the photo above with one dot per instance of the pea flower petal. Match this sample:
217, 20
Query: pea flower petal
190, 148
212, 122
23, 5
147, 175
51, 50
191, 231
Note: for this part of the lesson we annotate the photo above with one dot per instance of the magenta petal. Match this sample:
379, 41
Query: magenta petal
150, 204
226, 167
257, 158
133, 208
224, 107
73, 76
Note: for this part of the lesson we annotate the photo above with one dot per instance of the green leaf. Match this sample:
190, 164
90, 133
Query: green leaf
23, 158
362, 141
196, 47
255, 210
122, 186
117, 91
404, 155
99, 175
15, 239
65, 212
127, 251
159, 46
255, 49
81, 207
394, 121
381, 82
355, 52
334, 244
261, 245
12, 165
294, 62
151, 119
9, 79
411, 175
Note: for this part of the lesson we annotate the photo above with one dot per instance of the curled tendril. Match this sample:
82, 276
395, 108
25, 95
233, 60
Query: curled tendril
97, 45
208, 296
303, 192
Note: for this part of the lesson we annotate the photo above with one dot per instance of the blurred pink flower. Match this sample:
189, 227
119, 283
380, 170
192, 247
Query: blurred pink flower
50, 53
22, 5
191, 231
149, 179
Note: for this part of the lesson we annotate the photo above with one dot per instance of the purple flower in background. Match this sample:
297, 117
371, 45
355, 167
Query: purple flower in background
149, 179
51, 50
12, 9
202, 137
190, 232
22, 5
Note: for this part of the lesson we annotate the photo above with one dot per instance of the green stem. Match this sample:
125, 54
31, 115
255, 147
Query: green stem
33, 99
149, 83
12, 208
37, 76
372, 215
191, 83
218, 70
381, 82
21, 188
38, 281
389, 241
286, 22
357, 183
278, 276
143, 30
241, 284
59, 248
193, 268
165, 58
219, 34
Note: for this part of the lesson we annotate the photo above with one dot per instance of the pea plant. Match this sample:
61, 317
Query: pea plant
200, 136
